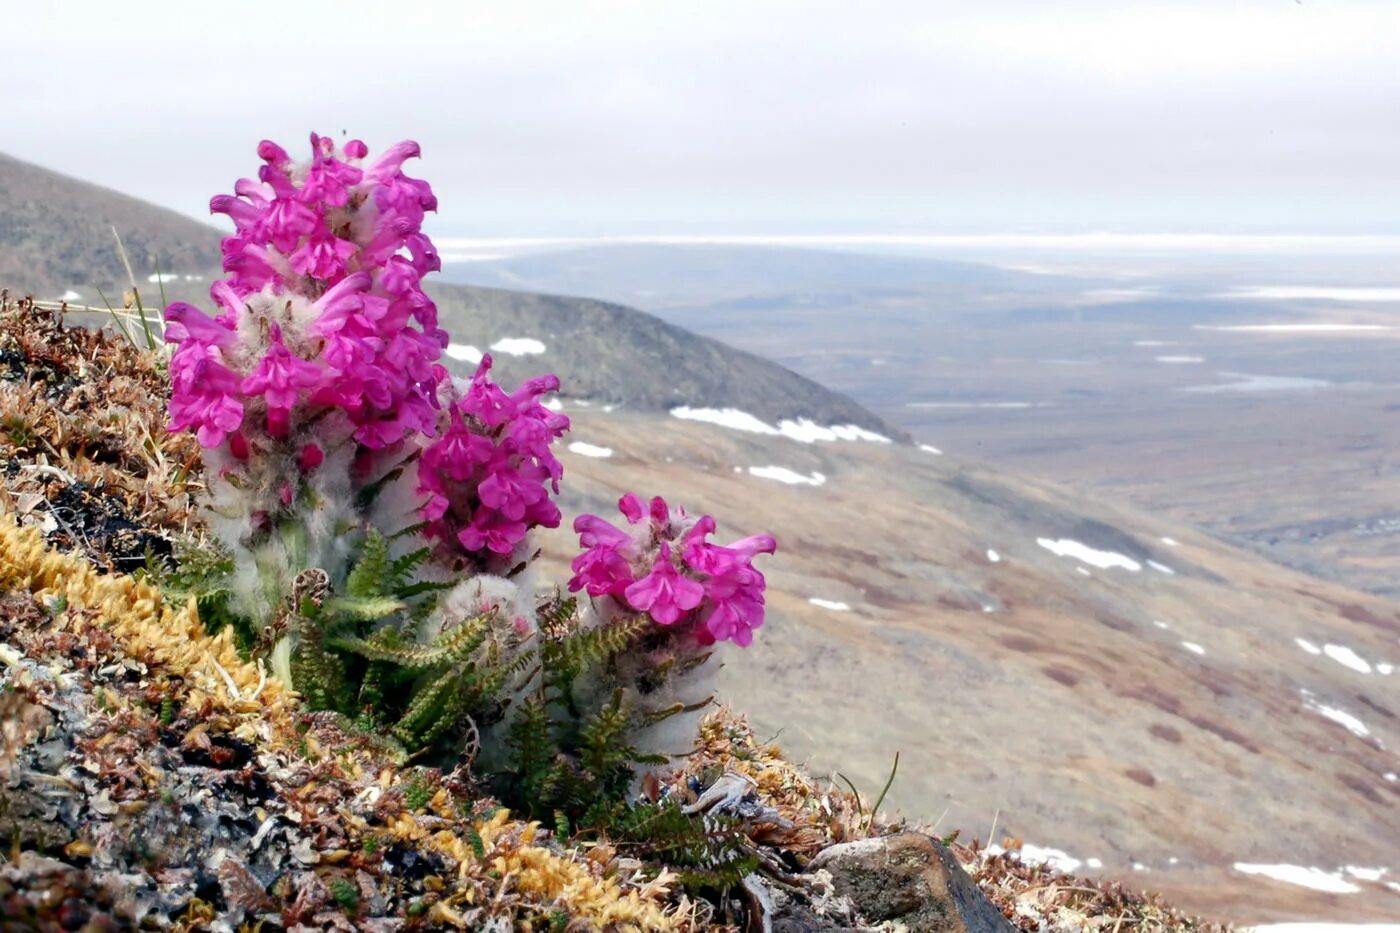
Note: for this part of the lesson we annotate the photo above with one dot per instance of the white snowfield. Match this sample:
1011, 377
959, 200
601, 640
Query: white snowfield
463, 351
784, 475
1181, 359
585, 449
518, 346
803, 430
930, 449
831, 604
1104, 560
1347, 658
1314, 878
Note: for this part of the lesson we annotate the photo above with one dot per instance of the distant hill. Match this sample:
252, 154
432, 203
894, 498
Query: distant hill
56, 236
56, 233
664, 276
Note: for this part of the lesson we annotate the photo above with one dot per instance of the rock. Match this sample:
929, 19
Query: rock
912, 880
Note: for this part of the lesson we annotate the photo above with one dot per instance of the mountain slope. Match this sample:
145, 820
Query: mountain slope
1084, 674
56, 233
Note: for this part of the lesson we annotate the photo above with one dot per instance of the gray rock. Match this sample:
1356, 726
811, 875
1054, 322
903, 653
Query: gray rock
910, 880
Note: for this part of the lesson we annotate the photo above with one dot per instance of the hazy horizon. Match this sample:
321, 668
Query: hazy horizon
622, 118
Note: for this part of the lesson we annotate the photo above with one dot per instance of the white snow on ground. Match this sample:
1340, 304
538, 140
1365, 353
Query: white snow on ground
1161, 568
1055, 858
1314, 878
1160, 624
1154, 343
784, 475
1384, 668
463, 351
1293, 328
1347, 658
1041, 855
1340, 716
731, 418
807, 431
1138, 866
831, 604
1391, 776
993, 556
1308, 646
1064, 547
1083, 571
69, 295
1171, 542
1366, 874
518, 346
554, 405
1181, 359
930, 449
802, 430
1093, 863
1192, 647
1327, 292
157, 278
590, 450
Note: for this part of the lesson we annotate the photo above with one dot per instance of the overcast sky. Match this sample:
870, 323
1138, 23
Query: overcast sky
586, 118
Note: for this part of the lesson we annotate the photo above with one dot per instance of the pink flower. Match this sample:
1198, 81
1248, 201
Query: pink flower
664, 594
280, 377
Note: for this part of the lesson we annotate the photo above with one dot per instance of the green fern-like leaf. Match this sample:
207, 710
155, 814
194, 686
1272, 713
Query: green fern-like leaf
364, 608
369, 576
451, 648
426, 709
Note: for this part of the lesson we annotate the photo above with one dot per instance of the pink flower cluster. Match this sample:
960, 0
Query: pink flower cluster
322, 307
663, 566
489, 475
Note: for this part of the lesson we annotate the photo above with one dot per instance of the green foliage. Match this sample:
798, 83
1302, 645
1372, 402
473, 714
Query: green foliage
706, 851
344, 893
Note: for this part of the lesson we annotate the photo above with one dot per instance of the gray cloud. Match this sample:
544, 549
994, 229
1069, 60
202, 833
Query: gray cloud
576, 117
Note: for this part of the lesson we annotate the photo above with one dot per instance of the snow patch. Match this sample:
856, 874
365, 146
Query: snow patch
1171, 542
590, 450
1161, 568
1161, 625
1181, 359
1192, 647
69, 295
1307, 646
554, 405
1104, 560
802, 430
1314, 878
463, 351
784, 475
1340, 716
993, 556
1347, 658
831, 604
159, 278
731, 418
518, 346
930, 449
807, 431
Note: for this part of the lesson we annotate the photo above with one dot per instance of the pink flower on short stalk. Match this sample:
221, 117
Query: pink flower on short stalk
203, 397
600, 571
323, 256
491, 531
664, 594
280, 376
